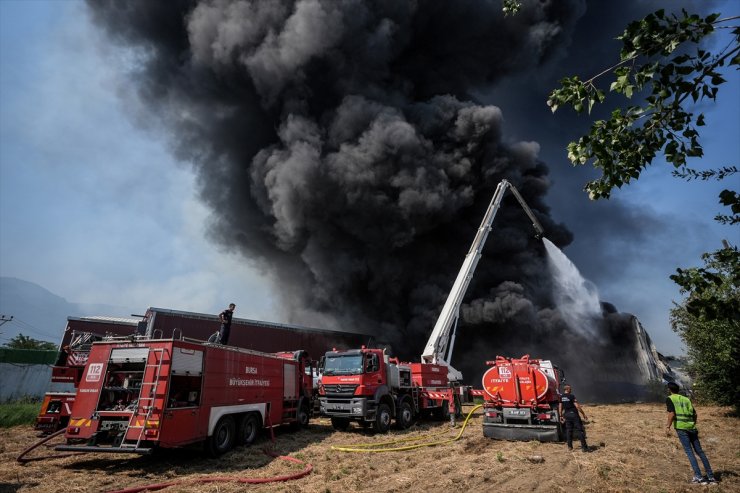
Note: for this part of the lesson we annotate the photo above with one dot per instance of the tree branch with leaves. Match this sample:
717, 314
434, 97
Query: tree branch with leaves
664, 71
661, 58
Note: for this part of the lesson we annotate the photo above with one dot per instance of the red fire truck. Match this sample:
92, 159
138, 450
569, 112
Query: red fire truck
366, 385
137, 394
160, 323
78, 337
521, 399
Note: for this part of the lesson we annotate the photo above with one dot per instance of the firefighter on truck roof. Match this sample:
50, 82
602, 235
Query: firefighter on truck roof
225, 318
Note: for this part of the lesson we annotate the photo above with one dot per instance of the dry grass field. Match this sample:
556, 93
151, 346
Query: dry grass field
632, 454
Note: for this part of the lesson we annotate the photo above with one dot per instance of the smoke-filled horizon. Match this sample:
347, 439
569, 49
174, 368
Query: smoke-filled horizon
340, 149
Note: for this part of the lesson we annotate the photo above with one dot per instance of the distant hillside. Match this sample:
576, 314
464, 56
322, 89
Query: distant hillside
39, 313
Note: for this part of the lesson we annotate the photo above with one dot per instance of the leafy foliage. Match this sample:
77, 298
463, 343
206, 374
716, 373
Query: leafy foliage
652, 64
511, 7
24, 342
714, 290
662, 61
708, 321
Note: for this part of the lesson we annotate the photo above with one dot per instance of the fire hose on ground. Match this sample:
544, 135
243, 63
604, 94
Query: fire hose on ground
231, 479
22, 459
210, 479
389, 446
228, 479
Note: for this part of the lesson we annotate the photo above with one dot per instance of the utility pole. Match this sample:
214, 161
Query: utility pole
4, 319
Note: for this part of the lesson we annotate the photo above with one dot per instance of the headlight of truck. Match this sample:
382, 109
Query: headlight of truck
357, 410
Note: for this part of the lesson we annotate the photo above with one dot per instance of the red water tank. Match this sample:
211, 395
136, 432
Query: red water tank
521, 381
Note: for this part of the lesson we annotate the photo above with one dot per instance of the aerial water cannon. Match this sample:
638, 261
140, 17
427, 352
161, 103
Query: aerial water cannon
441, 342
539, 231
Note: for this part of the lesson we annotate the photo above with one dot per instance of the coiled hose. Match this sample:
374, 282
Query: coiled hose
381, 447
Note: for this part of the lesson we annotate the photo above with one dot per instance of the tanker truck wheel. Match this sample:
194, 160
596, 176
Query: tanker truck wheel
382, 419
340, 424
223, 436
405, 416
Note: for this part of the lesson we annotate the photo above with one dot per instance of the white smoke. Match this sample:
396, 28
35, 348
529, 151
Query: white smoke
576, 298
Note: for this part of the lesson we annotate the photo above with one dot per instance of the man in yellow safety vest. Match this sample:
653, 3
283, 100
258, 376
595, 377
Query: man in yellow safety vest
682, 415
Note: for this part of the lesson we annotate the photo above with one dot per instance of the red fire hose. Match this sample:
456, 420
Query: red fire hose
223, 479
231, 479
211, 479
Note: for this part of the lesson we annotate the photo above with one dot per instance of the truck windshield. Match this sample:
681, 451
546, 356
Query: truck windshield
343, 365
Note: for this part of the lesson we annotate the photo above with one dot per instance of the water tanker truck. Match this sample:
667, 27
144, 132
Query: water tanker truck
521, 398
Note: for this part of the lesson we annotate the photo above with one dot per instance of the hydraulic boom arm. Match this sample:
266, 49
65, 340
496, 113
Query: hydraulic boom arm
442, 340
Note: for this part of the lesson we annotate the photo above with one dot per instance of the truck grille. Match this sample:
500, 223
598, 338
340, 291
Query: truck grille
340, 389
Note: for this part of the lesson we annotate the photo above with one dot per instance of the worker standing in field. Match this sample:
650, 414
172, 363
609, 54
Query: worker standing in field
682, 416
225, 317
568, 408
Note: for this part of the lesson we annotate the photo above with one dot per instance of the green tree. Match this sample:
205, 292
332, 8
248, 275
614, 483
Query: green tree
24, 342
664, 71
708, 321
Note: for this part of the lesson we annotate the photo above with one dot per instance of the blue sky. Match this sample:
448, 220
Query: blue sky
95, 209
92, 207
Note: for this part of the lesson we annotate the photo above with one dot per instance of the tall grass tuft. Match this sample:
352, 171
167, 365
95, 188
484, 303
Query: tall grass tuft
20, 412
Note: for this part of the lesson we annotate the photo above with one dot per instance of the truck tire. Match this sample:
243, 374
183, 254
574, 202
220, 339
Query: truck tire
340, 424
223, 437
303, 416
405, 416
248, 428
382, 419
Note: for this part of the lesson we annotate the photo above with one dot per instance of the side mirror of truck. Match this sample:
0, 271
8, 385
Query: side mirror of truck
371, 364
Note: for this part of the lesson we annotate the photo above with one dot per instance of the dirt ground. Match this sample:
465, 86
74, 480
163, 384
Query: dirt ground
632, 454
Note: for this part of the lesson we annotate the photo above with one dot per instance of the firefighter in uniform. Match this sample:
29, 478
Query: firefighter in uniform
225, 318
682, 415
568, 408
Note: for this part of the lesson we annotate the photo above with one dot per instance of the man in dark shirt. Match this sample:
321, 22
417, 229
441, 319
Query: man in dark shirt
568, 408
225, 317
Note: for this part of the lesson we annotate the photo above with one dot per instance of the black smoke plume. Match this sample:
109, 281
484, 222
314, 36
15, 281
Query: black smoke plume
341, 149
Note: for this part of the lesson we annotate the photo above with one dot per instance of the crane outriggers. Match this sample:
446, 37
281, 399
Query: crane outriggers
368, 386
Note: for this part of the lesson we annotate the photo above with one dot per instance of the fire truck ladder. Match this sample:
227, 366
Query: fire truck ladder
157, 355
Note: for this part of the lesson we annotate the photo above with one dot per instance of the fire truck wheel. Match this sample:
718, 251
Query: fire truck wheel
222, 439
303, 416
382, 419
340, 424
405, 416
249, 426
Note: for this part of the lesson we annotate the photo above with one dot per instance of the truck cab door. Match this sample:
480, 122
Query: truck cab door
373, 376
